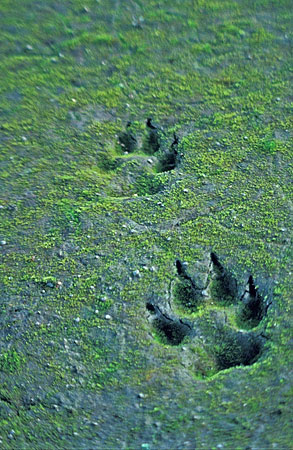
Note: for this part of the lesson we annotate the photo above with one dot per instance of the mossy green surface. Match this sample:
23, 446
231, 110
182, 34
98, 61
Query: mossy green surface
80, 365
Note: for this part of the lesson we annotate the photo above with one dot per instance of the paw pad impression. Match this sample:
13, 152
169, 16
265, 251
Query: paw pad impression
220, 318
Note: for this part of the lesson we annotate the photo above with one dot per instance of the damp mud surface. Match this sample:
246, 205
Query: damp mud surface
146, 225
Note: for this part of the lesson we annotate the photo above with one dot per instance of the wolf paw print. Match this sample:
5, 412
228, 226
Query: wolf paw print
213, 315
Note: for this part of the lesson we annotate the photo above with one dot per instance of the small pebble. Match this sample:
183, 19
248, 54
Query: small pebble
108, 317
199, 409
196, 417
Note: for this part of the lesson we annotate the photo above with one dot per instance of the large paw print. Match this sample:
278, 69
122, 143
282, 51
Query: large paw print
216, 319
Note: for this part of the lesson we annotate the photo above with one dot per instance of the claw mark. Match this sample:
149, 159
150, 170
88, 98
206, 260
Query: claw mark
174, 145
254, 307
223, 286
153, 140
186, 292
183, 274
150, 307
171, 330
252, 288
170, 159
216, 262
